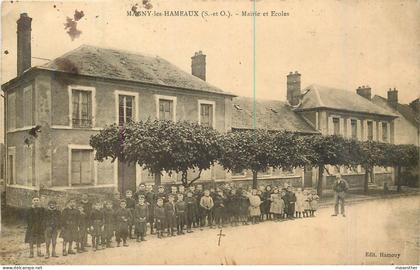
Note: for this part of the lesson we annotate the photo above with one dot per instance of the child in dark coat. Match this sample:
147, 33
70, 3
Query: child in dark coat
160, 218
244, 207
96, 222
131, 204
35, 229
141, 214
69, 231
181, 213
170, 215
219, 208
191, 210
52, 223
122, 217
109, 224
150, 198
83, 226
87, 207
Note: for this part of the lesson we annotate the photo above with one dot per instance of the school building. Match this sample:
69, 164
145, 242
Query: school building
51, 111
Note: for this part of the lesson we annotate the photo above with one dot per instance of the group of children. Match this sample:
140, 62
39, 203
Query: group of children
165, 213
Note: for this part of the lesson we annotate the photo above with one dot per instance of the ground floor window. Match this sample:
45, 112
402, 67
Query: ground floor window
82, 167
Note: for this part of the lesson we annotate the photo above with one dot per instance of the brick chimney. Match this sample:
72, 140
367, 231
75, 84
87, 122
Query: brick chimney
198, 65
293, 88
393, 98
23, 43
364, 91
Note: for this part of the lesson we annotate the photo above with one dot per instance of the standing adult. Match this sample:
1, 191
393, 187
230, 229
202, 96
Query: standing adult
340, 188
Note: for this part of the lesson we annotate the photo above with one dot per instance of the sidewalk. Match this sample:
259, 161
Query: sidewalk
374, 193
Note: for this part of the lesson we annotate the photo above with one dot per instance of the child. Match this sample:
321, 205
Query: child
314, 203
219, 206
52, 223
122, 218
116, 201
87, 206
181, 190
141, 214
233, 207
181, 215
150, 199
266, 202
160, 218
244, 207
198, 193
206, 205
35, 230
96, 221
82, 225
254, 206
277, 204
306, 205
131, 204
170, 215
299, 203
174, 192
161, 194
191, 204
141, 191
109, 224
69, 231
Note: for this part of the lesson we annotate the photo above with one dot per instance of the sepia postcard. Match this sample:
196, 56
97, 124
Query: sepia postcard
210, 132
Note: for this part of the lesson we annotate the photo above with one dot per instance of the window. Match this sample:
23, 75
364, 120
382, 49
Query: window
353, 124
11, 168
166, 109
11, 111
27, 106
206, 115
125, 109
384, 132
82, 108
336, 125
370, 130
81, 167
27, 161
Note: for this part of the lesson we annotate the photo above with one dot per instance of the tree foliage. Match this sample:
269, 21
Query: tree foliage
161, 145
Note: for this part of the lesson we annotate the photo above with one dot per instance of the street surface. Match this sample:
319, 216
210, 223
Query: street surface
390, 226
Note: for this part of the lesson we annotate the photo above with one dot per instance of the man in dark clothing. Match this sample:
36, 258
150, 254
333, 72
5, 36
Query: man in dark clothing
340, 188
87, 207
131, 204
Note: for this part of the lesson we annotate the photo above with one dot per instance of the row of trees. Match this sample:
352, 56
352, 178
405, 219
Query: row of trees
182, 147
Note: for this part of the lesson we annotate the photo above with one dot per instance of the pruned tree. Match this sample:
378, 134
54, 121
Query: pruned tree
248, 150
326, 150
161, 145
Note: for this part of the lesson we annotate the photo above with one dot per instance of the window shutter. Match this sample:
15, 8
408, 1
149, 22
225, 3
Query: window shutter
374, 133
380, 126
365, 131
330, 126
342, 133
388, 129
348, 128
359, 129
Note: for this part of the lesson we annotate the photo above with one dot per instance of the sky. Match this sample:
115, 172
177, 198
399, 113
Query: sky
341, 44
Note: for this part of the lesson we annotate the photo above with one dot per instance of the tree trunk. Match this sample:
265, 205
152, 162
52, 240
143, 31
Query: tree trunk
320, 179
399, 178
158, 179
366, 183
254, 179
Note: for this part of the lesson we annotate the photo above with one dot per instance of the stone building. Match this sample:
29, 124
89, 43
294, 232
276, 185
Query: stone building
53, 109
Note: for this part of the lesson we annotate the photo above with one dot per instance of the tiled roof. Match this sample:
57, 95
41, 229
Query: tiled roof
123, 65
270, 114
316, 96
404, 109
